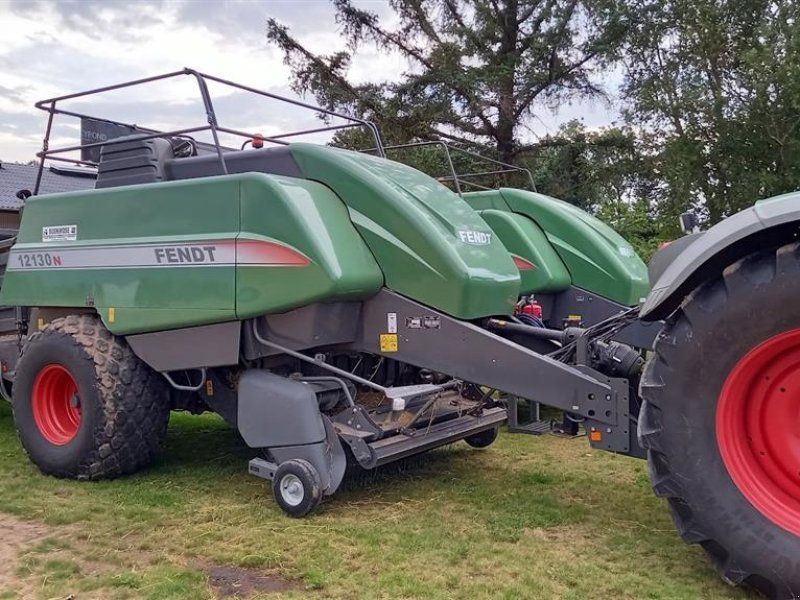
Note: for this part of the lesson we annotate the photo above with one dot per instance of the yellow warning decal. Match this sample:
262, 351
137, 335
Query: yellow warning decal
209, 387
112, 314
388, 342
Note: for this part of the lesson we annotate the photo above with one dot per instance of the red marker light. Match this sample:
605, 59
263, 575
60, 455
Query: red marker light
258, 141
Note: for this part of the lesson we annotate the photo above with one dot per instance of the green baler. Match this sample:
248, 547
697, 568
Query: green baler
574, 269
564, 245
338, 307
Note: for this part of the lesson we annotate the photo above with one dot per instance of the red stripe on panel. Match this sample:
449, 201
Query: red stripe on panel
522, 264
261, 252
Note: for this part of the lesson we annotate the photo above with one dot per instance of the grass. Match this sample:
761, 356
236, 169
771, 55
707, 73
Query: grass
530, 517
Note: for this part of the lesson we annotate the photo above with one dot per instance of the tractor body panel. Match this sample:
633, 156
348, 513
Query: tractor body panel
183, 253
769, 222
431, 245
597, 258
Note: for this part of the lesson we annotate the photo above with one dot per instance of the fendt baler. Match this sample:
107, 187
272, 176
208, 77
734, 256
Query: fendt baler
334, 306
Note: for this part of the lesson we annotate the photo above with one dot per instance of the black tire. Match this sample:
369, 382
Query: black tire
484, 439
703, 342
124, 409
297, 488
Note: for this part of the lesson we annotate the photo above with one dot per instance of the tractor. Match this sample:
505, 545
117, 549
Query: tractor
337, 307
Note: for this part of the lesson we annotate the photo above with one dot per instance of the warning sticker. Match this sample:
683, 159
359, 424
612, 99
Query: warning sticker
425, 322
388, 342
391, 322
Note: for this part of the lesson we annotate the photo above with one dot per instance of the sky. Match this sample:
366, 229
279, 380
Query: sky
55, 48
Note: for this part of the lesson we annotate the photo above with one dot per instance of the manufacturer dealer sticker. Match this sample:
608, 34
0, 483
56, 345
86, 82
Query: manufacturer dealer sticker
59, 233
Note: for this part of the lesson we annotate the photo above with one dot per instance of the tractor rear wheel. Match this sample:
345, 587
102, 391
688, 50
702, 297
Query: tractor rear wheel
85, 406
721, 421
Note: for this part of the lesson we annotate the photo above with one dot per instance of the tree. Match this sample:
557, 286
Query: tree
610, 172
586, 168
478, 68
717, 85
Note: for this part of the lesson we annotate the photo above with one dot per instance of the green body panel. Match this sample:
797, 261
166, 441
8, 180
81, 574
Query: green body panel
598, 258
415, 228
128, 223
524, 238
309, 217
143, 299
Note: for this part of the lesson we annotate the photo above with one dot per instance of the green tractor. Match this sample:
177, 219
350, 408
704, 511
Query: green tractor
337, 307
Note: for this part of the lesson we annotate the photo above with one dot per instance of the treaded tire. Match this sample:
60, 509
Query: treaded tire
718, 324
298, 501
124, 410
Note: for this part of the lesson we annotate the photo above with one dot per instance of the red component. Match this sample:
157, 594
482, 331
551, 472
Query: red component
271, 254
258, 141
758, 428
533, 308
56, 408
522, 264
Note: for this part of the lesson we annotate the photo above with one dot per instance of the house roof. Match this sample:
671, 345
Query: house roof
15, 177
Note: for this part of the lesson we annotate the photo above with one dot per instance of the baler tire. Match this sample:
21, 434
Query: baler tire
484, 439
297, 472
720, 326
123, 411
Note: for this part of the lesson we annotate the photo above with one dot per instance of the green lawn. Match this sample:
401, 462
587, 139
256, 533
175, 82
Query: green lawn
527, 518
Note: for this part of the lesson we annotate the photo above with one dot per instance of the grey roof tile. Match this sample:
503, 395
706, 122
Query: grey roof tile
15, 177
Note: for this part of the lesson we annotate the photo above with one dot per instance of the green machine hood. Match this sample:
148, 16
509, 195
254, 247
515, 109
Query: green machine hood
597, 258
429, 243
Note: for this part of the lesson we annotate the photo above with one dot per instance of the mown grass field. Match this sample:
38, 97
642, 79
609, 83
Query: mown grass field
527, 518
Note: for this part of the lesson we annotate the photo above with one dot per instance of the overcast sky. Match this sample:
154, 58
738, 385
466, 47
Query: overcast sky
55, 48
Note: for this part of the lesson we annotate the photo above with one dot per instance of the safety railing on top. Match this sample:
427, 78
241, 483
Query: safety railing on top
51, 107
460, 180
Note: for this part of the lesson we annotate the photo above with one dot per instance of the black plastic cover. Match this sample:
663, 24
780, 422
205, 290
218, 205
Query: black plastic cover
275, 411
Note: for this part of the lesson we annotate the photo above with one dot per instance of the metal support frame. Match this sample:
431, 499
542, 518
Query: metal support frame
461, 179
187, 388
471, 353
407, 391
534, 425
338, 381
212, 124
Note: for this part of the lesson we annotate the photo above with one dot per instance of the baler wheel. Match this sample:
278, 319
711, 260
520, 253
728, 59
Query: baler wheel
484, 439
85, 406
296, 487
721, 421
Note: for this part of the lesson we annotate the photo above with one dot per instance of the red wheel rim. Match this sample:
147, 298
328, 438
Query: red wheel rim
56, 407
758, 428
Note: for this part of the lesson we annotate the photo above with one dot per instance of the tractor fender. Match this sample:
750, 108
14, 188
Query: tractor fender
770, 223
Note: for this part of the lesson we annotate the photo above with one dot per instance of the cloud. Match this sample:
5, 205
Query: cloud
55, 48
52, 48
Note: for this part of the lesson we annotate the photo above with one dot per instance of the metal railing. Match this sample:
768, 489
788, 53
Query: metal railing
51, 107
460, 180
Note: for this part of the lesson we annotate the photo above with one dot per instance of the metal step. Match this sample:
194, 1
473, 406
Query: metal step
400, 446
533, 428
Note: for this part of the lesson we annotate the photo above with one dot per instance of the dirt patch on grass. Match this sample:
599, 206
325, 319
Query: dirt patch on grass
233, 582
16, 535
